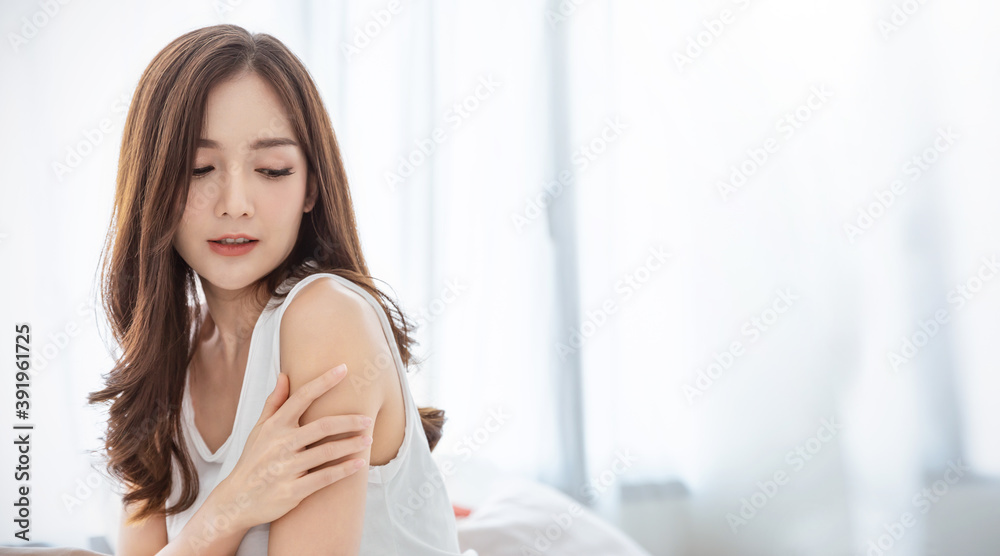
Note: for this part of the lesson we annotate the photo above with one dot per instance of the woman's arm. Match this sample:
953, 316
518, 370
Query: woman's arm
141, 539
324, 323
269, 479
199, 535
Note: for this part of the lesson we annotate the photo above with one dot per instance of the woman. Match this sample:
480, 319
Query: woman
230, 182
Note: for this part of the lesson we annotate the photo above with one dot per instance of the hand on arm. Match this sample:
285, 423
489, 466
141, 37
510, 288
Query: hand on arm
269, 478
327, 323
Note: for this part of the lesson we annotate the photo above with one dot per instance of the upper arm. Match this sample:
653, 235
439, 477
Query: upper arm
325, 325
140, 539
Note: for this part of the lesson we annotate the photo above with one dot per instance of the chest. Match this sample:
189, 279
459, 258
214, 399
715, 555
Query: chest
215, 398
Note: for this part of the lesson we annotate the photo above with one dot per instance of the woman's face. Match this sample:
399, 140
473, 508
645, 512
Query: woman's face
249, 179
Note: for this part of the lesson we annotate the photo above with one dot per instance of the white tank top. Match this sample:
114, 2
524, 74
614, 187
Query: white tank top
406, 514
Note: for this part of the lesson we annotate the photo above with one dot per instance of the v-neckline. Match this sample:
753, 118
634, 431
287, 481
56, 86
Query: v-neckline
199, 442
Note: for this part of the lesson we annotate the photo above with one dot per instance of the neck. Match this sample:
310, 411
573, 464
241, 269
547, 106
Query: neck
231, 319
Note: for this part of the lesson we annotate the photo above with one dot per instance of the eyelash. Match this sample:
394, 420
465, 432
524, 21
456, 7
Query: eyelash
266, 172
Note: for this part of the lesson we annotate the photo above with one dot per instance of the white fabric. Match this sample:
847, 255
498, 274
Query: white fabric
405, 512
525, 517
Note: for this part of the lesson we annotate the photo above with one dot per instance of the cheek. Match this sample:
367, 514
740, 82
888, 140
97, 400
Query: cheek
182, 237
283, 214
201, 196
286, 198
190, 224
189, 219
283, 217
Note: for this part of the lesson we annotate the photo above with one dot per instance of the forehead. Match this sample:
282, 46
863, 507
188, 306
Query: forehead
243, 109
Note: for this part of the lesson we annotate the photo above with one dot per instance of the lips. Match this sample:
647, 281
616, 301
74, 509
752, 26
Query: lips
222, 240
219, 247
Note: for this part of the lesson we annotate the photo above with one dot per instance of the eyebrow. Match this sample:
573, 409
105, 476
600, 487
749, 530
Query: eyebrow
265, 143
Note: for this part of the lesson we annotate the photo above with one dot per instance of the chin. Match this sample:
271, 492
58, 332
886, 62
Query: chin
230, 276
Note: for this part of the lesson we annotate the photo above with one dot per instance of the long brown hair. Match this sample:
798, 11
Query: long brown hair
149, 292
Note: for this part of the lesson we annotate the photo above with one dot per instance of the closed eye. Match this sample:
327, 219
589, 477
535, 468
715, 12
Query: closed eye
268, 172
272, 173
198, 172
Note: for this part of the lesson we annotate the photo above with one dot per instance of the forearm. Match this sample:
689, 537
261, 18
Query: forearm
215, 529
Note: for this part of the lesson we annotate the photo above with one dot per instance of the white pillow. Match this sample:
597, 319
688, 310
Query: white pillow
527, 518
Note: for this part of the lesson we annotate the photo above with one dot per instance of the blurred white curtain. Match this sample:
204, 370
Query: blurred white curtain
706, 90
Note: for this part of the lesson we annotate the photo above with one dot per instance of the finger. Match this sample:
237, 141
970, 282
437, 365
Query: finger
311, 482
328, 426
302, 398
276, 398
330, 451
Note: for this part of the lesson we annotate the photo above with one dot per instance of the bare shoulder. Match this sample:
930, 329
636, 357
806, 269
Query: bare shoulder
327, 300
327, 324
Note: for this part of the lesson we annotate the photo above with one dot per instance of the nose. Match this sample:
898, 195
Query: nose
234, 196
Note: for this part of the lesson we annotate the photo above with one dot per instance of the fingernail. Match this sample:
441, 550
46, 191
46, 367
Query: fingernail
340, 369
366, 440
367, 421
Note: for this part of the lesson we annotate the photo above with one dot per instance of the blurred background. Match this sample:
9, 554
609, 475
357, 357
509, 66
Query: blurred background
724, 273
